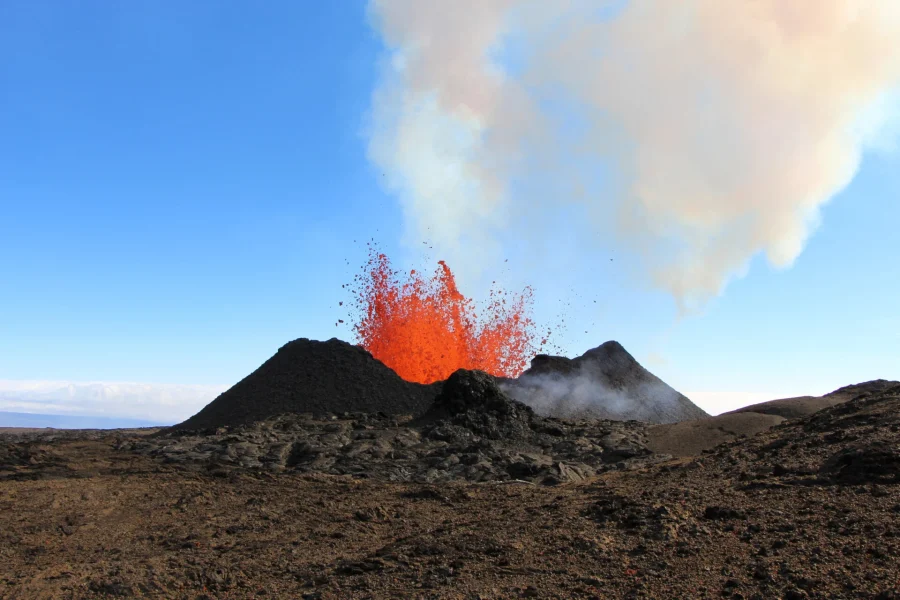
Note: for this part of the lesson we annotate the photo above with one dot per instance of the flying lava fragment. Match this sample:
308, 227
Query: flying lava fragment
425, 328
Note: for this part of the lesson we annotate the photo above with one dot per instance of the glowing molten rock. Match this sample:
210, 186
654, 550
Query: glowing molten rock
425, 329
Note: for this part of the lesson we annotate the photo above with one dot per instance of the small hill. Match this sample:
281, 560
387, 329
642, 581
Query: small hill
309, 376
471, 402
605, 382
791, 408
693, 437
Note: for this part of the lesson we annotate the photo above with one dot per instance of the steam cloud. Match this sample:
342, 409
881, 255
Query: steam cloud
706, 131
585, 393
568, 396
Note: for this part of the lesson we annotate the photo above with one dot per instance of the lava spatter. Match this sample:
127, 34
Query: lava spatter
424, 328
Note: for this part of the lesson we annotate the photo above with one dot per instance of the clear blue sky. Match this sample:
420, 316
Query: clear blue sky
183, 183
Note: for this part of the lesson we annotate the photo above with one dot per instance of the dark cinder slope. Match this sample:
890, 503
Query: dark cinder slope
605, 382
309, 376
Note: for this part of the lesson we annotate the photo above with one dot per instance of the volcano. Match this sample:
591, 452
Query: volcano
335, 377
605, 382
309, 376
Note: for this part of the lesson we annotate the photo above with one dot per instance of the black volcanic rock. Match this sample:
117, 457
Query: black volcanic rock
472, 400
605, 382
545, 364
474, 390
308, 376
472, 431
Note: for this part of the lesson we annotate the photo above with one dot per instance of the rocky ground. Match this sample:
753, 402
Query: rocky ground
477, 498
473, 432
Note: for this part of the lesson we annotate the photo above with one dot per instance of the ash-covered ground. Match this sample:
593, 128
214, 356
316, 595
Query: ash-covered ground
469, 495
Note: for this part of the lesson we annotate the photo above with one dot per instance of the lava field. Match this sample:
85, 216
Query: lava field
325, 475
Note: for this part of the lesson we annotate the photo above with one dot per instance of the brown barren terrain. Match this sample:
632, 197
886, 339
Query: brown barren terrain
807, 509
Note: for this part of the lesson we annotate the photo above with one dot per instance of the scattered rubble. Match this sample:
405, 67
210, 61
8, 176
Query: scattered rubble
472, 432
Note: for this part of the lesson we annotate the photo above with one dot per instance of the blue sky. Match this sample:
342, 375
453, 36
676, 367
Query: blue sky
184, 188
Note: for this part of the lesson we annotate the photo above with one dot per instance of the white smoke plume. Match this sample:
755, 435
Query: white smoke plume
705, 131
570, 396
585, 394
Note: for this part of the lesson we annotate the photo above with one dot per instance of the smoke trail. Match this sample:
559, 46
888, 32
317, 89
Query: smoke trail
708, 131
585, 394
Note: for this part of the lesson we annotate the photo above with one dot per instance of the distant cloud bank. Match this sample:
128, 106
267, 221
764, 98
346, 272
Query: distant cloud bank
156, 402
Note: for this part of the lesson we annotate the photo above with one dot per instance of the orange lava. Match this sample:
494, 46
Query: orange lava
425, 329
